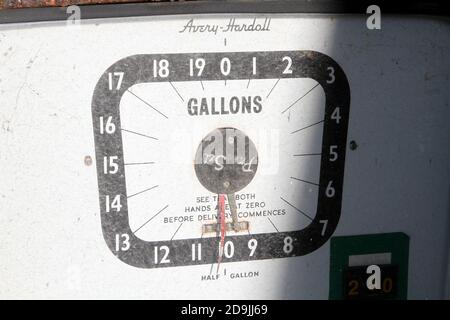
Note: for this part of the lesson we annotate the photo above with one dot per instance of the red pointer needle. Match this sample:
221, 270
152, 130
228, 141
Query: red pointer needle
222, 227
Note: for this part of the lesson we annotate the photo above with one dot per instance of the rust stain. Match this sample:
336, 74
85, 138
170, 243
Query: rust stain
15, 4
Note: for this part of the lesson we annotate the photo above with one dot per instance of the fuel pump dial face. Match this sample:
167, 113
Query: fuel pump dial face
220, 157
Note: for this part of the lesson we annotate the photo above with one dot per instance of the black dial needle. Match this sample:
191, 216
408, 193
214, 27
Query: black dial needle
233, 208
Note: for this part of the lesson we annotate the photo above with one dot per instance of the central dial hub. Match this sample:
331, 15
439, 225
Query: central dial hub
226, 161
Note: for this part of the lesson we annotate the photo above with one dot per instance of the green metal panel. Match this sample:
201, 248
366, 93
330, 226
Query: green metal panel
341, 248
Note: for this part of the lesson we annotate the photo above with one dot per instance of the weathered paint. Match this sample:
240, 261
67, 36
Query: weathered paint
15, 4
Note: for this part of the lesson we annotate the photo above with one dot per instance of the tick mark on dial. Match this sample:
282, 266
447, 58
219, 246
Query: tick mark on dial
290, 204
307, 154
300, 98
176, 231
135, 194
311, 125
139, 134
148, 104
305, 181
272, 224
150, 219
176, 91
137, 163
273, 88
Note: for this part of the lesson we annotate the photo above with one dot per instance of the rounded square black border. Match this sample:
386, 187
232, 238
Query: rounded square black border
306, 64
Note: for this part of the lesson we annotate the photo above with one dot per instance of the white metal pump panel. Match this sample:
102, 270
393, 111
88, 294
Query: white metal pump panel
396, 176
